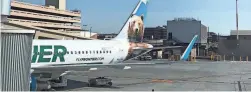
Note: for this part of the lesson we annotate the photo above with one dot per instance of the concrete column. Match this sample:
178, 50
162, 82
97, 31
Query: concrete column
60, 4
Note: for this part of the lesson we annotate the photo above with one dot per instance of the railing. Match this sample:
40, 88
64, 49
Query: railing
214, 58
44, 24
228, 58
178, 57
174, 57
44, 8
43, 16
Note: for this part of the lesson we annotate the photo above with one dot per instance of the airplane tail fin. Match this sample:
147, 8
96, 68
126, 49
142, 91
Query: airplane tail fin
186, 53
133, 29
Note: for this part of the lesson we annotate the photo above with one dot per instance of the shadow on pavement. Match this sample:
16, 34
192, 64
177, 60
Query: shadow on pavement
73, 84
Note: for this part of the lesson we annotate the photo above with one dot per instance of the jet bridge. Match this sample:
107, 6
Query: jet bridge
15, 59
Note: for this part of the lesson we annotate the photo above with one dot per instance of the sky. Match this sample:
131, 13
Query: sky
108, 16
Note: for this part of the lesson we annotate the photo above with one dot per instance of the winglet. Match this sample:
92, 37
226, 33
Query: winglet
189, 48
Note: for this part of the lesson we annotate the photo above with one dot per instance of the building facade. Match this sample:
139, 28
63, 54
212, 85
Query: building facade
243, 34
183, 30
155, 33
47, 17
234, 49
53, 17
106, 36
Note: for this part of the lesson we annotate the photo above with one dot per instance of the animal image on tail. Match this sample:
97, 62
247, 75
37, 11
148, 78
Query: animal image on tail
136, 28
132, 31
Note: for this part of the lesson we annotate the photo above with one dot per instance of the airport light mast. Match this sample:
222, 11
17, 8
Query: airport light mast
90, 32
84, 29
237, 36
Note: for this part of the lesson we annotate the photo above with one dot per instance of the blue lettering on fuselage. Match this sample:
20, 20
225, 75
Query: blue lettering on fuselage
90, 59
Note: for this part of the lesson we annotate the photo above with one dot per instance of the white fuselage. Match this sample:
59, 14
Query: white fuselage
79, 52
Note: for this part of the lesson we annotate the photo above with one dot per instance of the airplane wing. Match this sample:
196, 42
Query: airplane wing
139, 51
166, 47
142, 48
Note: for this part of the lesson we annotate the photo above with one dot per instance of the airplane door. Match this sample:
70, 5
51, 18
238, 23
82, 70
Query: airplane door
120, 57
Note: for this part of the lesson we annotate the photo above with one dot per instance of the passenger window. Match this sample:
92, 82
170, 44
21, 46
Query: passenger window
67, 52
97, 52
106, 51
79, 52
76, 52
93, 52
83, 52
110, 51
71, 52
100, 51
90, 52
86, 52
103, 51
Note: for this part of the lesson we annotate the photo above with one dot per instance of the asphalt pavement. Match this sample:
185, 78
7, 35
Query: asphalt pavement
180, 76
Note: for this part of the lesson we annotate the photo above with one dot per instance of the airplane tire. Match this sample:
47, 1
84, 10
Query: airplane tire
91, 84
110, 83
51, 89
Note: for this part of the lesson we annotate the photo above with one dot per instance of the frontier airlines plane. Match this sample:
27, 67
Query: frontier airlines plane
51, 59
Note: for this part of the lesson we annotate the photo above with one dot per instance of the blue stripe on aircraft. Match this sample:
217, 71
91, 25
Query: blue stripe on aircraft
142, 10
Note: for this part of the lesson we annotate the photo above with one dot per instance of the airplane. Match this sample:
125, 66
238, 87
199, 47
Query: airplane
52, 59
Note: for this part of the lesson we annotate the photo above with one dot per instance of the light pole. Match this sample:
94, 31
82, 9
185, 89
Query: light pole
84, 29
90, 31
84, 26
237, 20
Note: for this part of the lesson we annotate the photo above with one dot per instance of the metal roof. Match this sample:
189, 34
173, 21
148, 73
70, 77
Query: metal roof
16, 31
241, 32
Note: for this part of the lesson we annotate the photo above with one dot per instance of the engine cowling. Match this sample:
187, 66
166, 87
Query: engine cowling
33, 83
36, 85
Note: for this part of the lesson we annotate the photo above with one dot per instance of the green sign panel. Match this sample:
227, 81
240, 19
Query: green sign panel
39, 51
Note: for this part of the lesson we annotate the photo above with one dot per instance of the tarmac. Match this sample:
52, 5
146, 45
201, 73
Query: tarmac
180, 76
